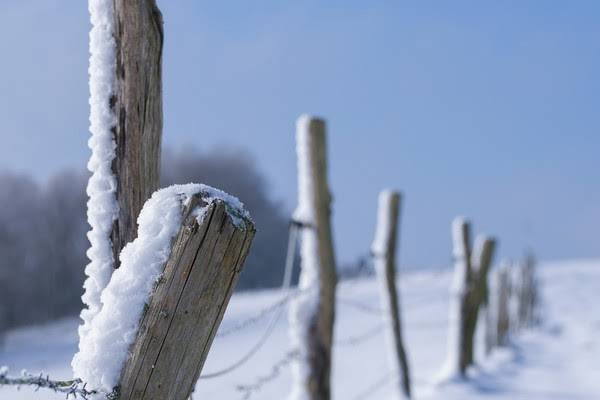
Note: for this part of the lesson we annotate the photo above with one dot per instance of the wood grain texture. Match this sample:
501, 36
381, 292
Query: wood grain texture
187, 306
387, 276
138, 107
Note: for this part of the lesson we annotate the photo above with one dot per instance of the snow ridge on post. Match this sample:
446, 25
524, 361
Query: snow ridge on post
102, 207
312, 312
384, 254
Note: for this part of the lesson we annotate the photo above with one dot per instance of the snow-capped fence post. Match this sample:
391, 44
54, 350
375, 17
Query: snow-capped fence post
469, 291
457, 357
184, 312
384, 254
479, 292
312, 312
502, 304
137, 105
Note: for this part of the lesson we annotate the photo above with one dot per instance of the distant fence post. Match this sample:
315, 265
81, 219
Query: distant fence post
312, 312
527, 292
457, 357
468, 292
187, 306
384, 254
502, 304
479, 289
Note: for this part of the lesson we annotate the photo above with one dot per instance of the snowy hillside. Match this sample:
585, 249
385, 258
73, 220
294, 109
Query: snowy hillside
558, 360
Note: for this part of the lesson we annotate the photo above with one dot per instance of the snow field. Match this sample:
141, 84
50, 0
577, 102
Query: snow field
555, 361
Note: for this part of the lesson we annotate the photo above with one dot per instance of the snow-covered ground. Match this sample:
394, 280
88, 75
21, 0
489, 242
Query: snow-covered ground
558, 360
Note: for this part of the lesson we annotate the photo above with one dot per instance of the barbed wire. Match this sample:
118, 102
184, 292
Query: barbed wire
75, 387
253, 350
249, 389
257, 317
360, 338
360, 306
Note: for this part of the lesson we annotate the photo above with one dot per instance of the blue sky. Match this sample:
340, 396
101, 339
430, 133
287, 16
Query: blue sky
478, 108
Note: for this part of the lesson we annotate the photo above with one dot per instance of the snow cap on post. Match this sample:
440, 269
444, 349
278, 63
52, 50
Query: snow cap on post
308, 130
388, 200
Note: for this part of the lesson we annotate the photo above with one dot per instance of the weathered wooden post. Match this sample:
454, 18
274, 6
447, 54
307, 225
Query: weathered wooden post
502, 304
312, 312
526, 292
468, 292
457, 357
187, 306
384, 254
137, 104
479, 289
163, 306
126, 126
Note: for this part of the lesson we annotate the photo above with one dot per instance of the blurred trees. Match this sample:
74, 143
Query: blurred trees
43, 232
236, 173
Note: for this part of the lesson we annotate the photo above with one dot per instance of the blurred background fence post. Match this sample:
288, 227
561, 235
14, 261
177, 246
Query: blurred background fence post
313, 311
384, 254
457, 357
478, 293
502, 303
527, 292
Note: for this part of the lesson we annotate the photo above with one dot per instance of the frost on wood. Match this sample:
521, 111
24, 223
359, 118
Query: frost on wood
104, 350
311, 314
102, 203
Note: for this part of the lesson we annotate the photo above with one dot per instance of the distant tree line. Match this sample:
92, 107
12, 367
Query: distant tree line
43, 232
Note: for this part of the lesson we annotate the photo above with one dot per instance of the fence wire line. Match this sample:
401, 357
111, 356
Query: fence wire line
249, 389
258, 317
357, 305
362, 337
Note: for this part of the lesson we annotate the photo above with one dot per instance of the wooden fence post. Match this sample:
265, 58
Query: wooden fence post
503, 307
469, 291
384, 254
186, 308
137, 103
527, 295
457, 358
312, 312
479, 289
